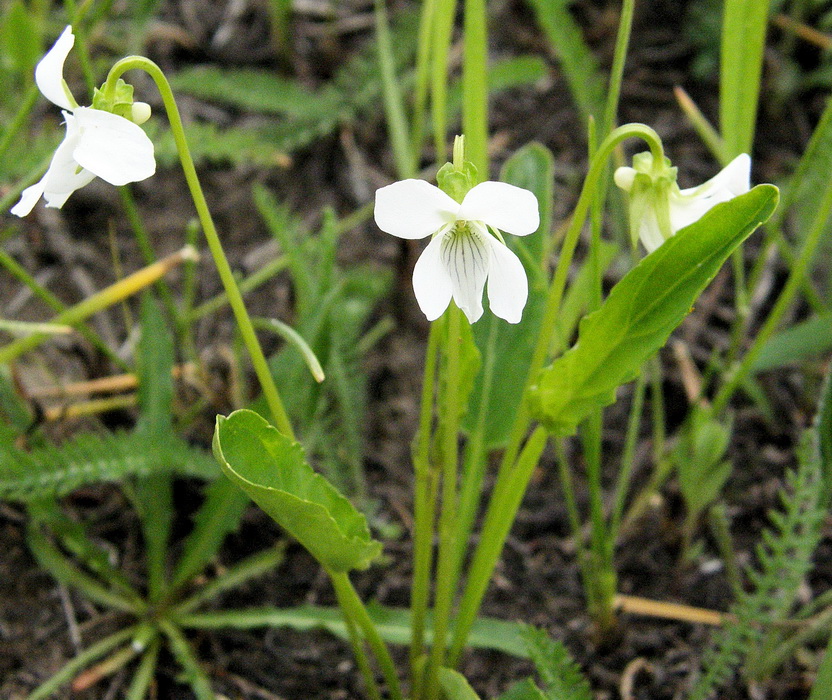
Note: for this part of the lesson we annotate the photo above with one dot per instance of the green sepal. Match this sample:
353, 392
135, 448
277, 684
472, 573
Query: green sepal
456, 182
121, 102
272, 470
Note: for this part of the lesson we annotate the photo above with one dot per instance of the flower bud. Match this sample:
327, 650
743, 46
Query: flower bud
139, 112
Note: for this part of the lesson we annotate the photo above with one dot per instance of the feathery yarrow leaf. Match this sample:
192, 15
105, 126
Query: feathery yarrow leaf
93, 458
784, 559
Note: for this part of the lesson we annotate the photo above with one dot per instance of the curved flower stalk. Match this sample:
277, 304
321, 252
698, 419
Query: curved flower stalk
463, 253
104, 140
658, 208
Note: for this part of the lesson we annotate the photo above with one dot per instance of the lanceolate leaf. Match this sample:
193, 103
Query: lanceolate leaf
641, 312
272, 470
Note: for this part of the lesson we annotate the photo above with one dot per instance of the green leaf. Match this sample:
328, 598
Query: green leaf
254, 91
393, 624
533, 168
90, 458
218, 516
802, 341
641, 312
699, 459
455, 686
272, 470
823, 681
586, 82
741, 63
154, 365
810, 180
20, 40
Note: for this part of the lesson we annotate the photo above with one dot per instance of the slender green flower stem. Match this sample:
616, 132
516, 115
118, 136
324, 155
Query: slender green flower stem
354, 610
797, 274
474, 463
622, 42
600, 583
568, 486
424, 508
359, 652
625, 471
498, 521
55, 304
449, 427
599, 592
511, 478
258, 359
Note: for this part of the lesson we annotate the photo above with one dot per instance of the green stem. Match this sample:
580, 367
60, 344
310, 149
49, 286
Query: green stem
625, 471
424, 508
354, 610
258, 359
358, 651
449, 430
511, 479
622, 41
476, 453
498, 521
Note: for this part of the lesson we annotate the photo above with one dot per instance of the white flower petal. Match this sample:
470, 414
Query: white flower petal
431, 282
49, 73
413, 209
466, 257
28, 198
734, 178
112, 147
650, 233
502, 206
508, 288
65, 175
684, 212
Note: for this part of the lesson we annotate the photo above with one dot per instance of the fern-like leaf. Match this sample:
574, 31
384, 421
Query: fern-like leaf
784, 559
92, 458
560, 673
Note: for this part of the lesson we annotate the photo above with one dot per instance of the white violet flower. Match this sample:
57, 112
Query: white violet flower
658, 208
98, 143
463, 253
